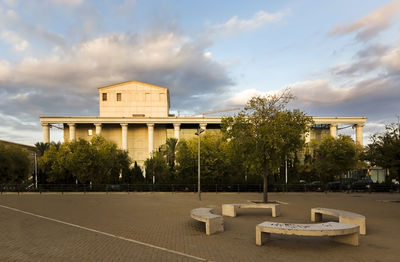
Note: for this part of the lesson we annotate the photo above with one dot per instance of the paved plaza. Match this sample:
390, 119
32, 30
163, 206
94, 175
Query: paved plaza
158, 227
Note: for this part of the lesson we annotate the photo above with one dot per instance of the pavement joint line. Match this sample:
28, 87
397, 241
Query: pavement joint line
107, 234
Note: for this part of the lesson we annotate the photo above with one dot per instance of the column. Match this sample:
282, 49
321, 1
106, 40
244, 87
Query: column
124, 132
359, 134
98, 128
150, 130
46, 133
333, 130
72, 132
177, 127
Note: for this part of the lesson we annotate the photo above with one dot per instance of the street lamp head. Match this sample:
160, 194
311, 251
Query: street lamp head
199, 131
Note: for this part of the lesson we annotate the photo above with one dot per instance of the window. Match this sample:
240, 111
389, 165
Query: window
90, 132
118, 96
104, 96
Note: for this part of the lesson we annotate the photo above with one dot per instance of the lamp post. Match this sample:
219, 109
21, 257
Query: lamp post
35, 167
199, 131
286, 172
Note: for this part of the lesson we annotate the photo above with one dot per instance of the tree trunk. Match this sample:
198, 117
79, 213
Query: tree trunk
265, 173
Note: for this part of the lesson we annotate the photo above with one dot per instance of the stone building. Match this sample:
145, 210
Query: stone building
136, 117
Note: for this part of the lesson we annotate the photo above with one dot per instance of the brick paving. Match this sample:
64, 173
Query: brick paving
163, 220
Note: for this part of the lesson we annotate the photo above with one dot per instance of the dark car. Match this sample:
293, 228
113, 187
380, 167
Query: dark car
362, 185
316, 186
334, 186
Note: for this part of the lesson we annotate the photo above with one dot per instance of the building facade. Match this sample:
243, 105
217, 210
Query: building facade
135, 116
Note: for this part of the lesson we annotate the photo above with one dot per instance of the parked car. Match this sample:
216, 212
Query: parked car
362, 185
315, 186
334, 186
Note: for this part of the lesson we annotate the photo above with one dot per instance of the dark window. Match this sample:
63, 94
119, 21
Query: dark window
118, 96
104, 96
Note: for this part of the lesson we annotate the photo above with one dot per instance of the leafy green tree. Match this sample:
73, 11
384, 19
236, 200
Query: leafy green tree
186, 158
98, 161
41, 148
266, 132
169, 150
384, 151
334, 157
215, 162
157, 166
15, 166
135, 175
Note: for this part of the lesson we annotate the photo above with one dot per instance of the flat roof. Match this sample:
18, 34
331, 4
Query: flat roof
132, 82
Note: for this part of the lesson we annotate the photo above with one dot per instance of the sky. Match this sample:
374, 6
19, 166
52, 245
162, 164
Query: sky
339, 58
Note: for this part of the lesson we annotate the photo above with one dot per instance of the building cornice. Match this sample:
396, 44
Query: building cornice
340, 120
129, 120
176, 120
130, 82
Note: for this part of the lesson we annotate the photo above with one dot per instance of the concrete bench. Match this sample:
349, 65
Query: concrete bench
342, 233
345, 217
231, 209
214, 223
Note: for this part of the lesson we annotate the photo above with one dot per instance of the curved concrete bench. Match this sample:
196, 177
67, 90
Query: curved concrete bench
345, 217
214, 223
342, 233
230, 209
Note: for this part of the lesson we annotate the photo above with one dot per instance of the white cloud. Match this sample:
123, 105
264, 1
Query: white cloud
318, 91
371, 24
14, 39
4, 70
235, 25
167, 59
208, 55
392, 59
67, 2
242, 97
11, 3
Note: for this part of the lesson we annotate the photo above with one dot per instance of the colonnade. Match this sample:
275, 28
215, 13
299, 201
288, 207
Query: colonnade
333, 128
124, 133
359, 132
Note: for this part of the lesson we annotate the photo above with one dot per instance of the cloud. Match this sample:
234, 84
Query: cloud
14, 39
65, 83
126, 7
10, 19
241, 98
166, 59
4, 70
392, 60
367, 60
370, 25
235, 25
67, 2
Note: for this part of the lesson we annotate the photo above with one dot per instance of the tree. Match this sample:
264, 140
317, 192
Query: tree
135, 175
334, 157
15, 165
186, 159
384, 151
169, 150
265, 132
98, 161
41, 148
157, 166
215, 161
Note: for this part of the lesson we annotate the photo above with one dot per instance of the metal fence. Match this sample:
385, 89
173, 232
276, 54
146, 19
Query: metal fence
189, 188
